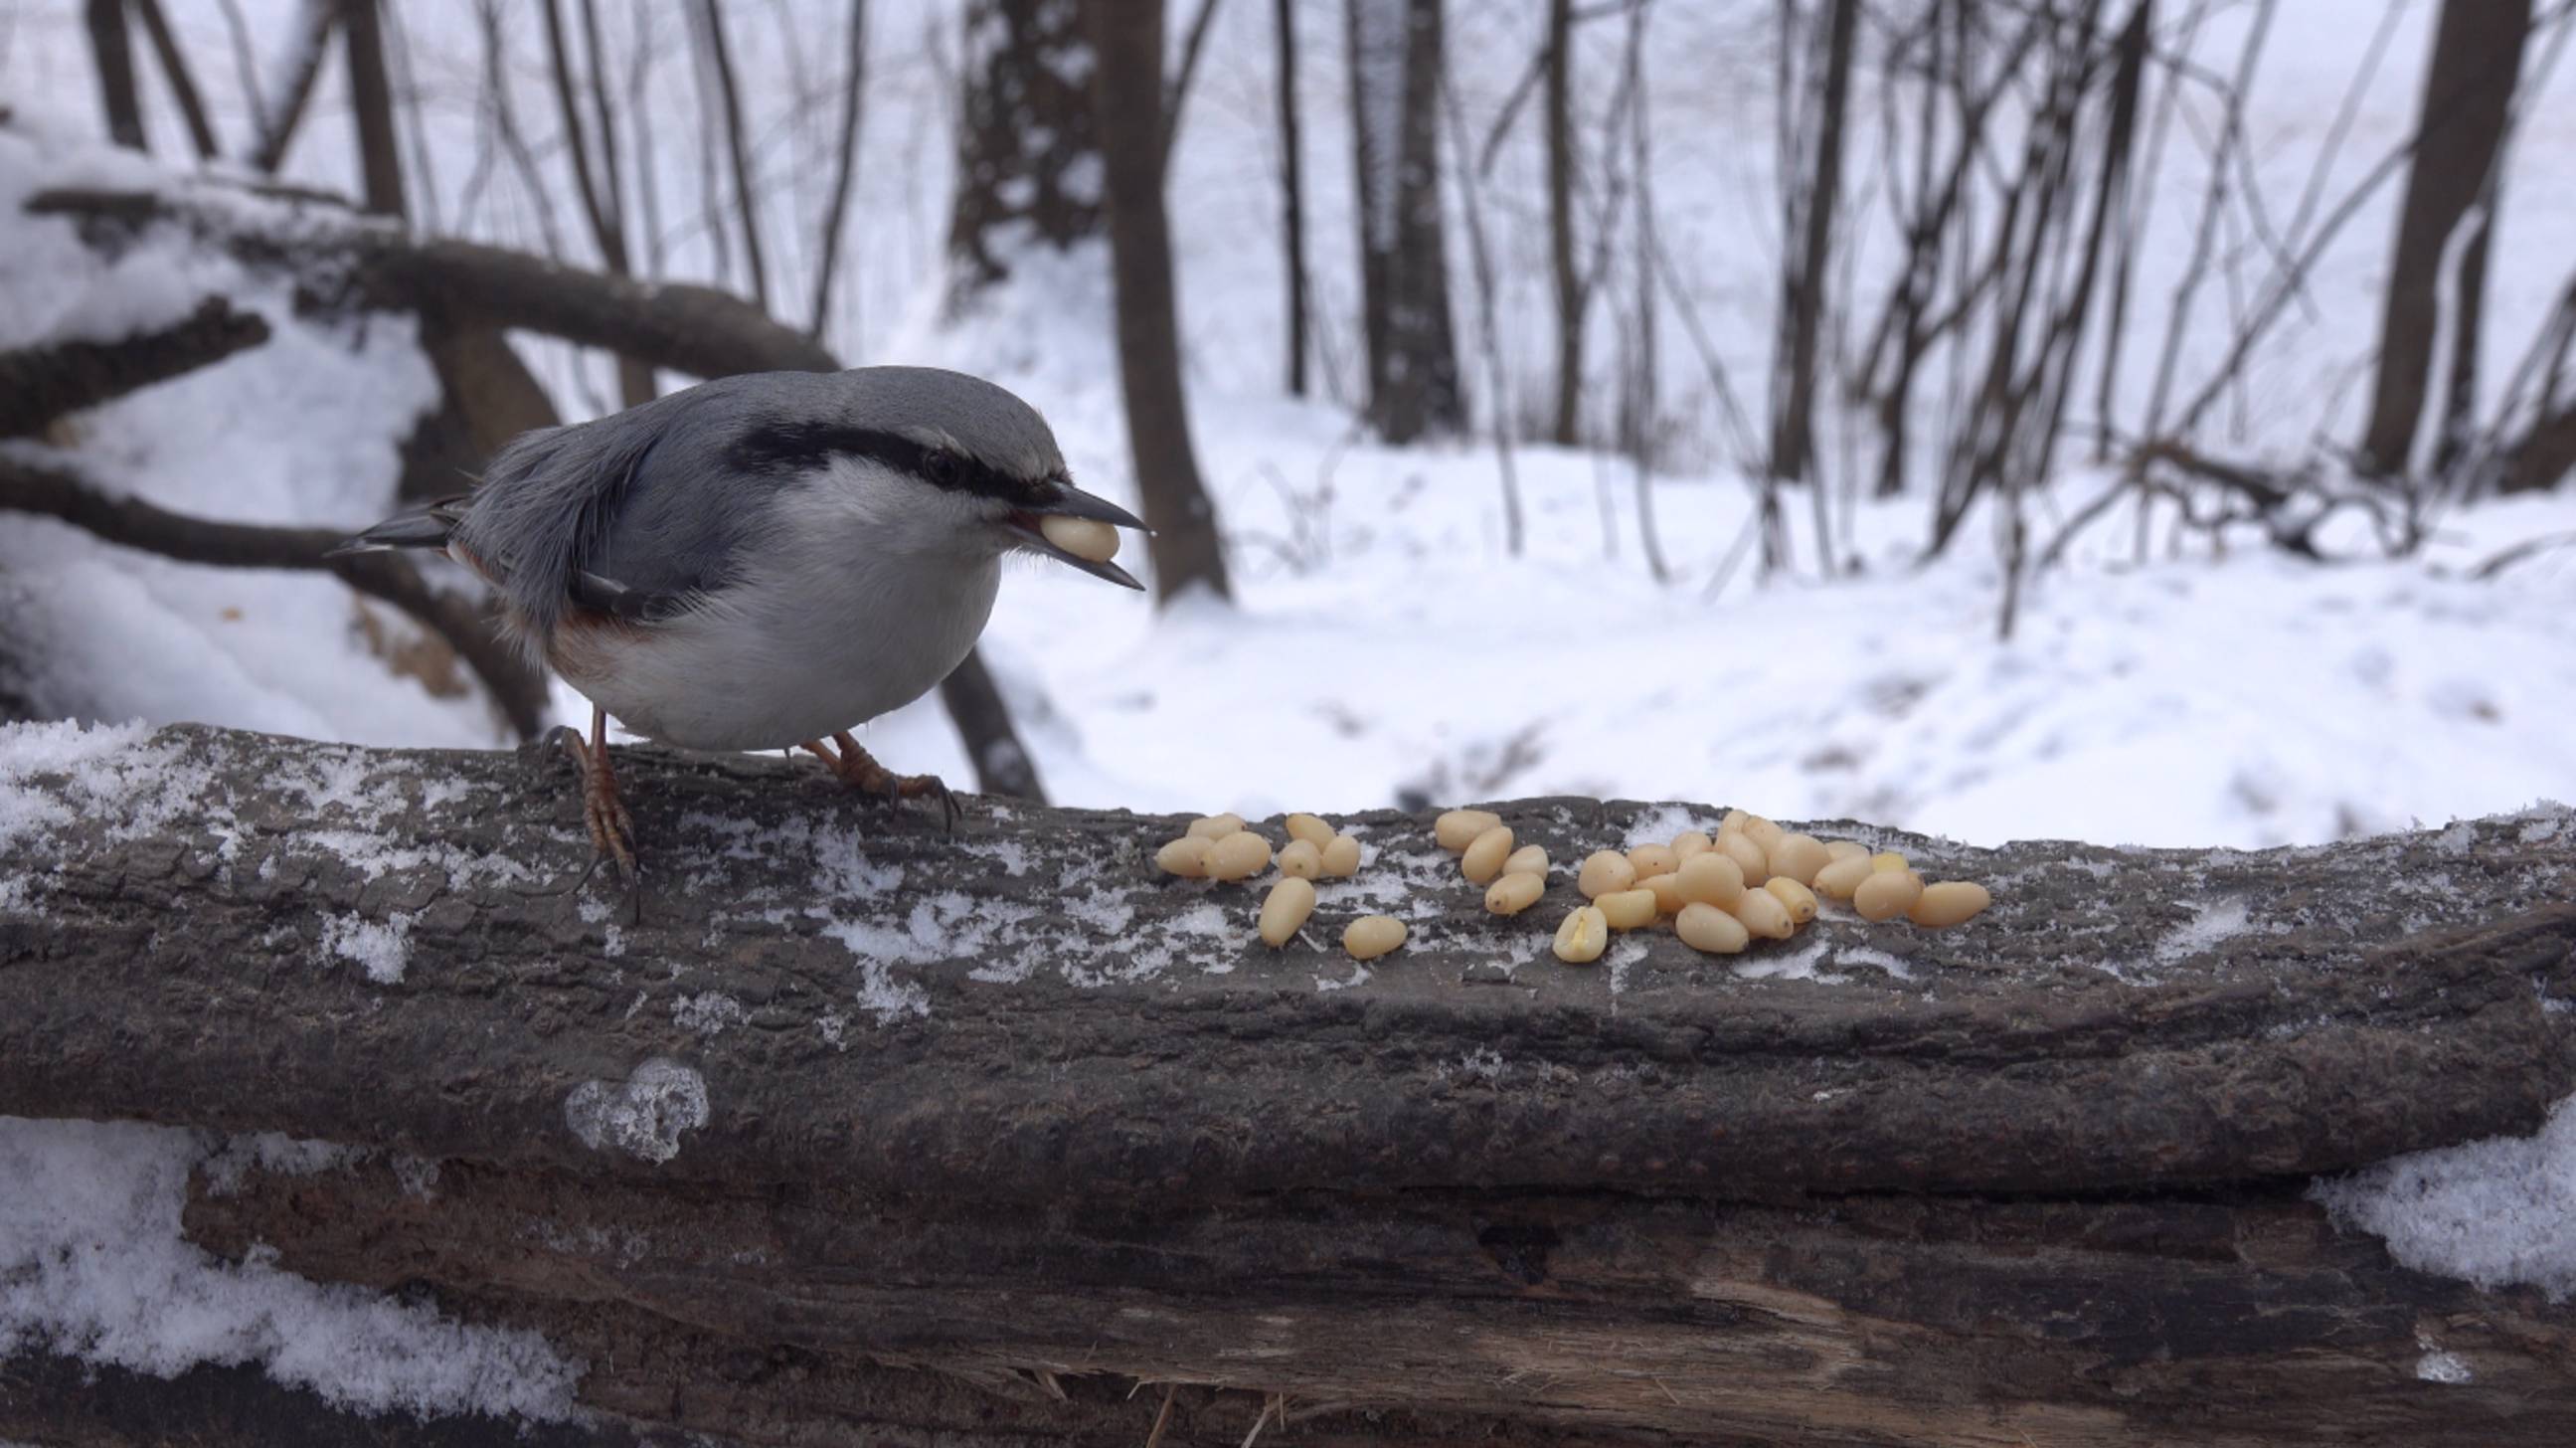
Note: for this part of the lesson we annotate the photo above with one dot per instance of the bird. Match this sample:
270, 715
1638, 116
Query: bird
761, 561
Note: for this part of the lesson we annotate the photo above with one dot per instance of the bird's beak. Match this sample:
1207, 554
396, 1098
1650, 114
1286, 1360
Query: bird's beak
1064, 500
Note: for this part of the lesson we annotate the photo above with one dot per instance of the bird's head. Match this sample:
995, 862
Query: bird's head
952, 459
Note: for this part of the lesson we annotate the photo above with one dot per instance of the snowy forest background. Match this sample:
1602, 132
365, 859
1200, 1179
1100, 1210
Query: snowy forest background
2140, 420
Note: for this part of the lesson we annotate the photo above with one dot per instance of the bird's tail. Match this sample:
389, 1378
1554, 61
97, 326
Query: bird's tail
427, 526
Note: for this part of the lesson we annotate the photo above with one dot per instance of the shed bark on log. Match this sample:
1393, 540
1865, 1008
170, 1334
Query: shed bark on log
997, 1126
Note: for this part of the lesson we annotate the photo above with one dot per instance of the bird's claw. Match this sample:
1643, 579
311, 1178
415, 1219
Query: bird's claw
855, 767
603, 812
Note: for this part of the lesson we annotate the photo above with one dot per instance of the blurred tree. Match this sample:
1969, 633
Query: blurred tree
1571, 294
1128, 93
1028, 156
111, 45
1292, 195
600, 180
1810, 194
371, 99
1394, 48
2452, 182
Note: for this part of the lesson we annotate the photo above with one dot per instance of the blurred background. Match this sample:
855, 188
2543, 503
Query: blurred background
2141, 420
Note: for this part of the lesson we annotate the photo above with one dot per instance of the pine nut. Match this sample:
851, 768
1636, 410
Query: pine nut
1711, 879
1458, 829
1239, 856
1342, 857
1689, 843
1604, 871
1798, 857
1484, 856
1800, 900
1734, 820
1838, 880
1514, 893
1763, 914
1951, 902
1085, 538
1527, 860
1301, 859
1185, 857
1651, 860
1290, 902
1889, 860
1371, 936
1627, 909
1215, 826
1846, 850
1584, 935
1705, 927
1748, 856
1763, 832
1668, 893
1310, 829
1887, 894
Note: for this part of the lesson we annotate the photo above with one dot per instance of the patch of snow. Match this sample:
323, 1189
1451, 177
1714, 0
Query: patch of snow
94, 1264
2491, 1212
381, 948
645, 1115
706, 1014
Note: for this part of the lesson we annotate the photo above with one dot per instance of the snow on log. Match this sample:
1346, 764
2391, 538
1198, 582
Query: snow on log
861, 1123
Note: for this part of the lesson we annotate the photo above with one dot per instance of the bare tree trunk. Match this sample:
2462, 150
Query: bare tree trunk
2468, 92
738, 145
371, 98
183, 84
1292, 195
311, 42
1394, 50
112, 47
1127, 92
846, 170
1558, 64
1812, 198
1026, 139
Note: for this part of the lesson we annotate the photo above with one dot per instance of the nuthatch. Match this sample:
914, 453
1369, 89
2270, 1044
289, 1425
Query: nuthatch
760, 562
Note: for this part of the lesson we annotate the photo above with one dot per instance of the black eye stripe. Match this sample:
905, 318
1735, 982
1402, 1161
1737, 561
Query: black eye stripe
799, 446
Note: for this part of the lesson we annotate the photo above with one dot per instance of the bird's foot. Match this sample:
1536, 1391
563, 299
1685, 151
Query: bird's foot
603, 813
857, 768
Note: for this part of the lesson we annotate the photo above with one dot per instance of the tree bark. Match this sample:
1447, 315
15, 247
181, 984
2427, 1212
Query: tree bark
2468, 95
1127, 50
1292, 195
1395, 49
111, 47
371, 100
1000, 1124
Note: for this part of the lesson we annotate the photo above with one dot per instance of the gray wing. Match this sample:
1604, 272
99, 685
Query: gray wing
641, 515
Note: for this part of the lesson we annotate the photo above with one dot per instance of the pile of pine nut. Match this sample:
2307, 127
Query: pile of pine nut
1218, 847
1752, 878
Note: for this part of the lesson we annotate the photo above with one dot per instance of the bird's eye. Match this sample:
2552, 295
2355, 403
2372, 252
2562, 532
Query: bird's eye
941, 468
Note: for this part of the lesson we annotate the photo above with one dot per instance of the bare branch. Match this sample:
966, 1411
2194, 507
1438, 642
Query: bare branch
844, 171
516, 689
40, 384
1176, 95
746, 199
174, 69
308, 46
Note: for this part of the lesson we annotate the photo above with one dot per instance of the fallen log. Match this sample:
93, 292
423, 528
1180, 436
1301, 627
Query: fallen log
856, 1112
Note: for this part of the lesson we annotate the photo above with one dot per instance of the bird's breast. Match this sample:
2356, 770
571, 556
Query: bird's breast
806, 647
